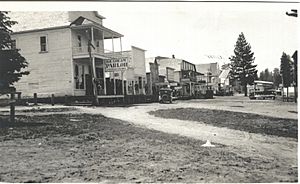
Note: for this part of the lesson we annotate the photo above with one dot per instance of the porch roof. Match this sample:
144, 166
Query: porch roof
84, 23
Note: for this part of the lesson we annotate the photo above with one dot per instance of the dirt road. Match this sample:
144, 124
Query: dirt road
75, 147
255, 145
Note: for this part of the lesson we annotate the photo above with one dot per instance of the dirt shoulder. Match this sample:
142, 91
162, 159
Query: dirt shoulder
93, 148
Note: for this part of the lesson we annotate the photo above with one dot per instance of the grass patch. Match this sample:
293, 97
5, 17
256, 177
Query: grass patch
251, 123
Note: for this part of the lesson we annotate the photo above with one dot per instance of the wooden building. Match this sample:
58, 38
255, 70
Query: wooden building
182, 72
68, 55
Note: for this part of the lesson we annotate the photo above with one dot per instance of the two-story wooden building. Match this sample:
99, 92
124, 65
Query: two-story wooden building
183, 72
67, 55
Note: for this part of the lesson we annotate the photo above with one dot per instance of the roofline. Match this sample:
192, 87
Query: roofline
67, 26
170, 68
189, 62
98, 15
138, 48
99, 27
207, 63
38, 30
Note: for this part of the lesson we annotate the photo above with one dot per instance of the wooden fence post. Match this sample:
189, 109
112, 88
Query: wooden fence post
35, 98
12, 107
66, 100
52, 100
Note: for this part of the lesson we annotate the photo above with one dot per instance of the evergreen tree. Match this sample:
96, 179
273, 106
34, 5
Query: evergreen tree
276, 78
266, 75
242, 67
286, 71
262, 75
11, 61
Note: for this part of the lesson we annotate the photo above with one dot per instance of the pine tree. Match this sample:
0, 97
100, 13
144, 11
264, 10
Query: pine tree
276, 77
286, 71
12, 62
242, 67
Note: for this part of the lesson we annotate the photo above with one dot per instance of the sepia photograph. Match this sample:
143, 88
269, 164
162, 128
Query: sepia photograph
149, 92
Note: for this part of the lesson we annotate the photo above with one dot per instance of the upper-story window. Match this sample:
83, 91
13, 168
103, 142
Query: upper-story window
13, 44
98, 43
43, 43
79, 40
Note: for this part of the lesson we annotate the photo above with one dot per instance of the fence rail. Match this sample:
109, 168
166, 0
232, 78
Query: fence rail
77, 51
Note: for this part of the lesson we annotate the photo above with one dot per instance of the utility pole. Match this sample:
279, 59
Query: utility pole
95, 93
295, 58
294, 13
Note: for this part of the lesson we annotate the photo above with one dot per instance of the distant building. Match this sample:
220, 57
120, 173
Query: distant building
135, 74
211, 73
152, 75
182, 72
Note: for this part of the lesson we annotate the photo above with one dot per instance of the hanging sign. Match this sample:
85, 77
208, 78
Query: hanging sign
116, 64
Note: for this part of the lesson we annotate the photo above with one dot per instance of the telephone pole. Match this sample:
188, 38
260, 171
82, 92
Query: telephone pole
294, 13
95, 93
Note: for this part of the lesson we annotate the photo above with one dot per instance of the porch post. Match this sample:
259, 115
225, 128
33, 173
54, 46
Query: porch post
115, 87
122, 73
104, 79
92, 36
112, 41
121, 44
190, 88
113, 53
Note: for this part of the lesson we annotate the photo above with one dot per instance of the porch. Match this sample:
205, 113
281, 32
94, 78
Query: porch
89, 38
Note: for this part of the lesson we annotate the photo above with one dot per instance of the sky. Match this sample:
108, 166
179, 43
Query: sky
194, 30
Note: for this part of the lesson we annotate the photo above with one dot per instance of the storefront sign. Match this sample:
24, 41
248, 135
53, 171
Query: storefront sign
116, 64
185, 80
173, 84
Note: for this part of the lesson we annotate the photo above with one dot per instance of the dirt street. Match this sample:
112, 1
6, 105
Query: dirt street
283, 149
67, 145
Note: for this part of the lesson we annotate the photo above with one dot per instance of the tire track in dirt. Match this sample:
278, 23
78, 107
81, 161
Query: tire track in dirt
280, 148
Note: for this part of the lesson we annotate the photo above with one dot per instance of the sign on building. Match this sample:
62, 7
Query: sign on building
116, 64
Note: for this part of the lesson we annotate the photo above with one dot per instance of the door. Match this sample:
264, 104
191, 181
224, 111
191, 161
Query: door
89, 85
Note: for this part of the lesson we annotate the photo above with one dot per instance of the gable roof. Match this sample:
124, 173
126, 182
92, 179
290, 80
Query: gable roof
224, 74
208, 67
28, 21
38, 20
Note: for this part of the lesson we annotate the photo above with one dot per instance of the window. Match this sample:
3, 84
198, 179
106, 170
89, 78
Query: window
79, 77
43, 43
79, 40
140, 82
13, 44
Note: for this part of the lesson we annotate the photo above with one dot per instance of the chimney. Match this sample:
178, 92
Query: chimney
173, 56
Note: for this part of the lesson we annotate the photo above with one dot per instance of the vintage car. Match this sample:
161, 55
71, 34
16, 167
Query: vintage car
262, 95
165, 95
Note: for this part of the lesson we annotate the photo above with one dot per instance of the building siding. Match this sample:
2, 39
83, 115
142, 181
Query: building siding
50, 72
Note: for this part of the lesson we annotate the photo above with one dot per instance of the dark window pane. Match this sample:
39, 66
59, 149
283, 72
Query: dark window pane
13, 44
43, 43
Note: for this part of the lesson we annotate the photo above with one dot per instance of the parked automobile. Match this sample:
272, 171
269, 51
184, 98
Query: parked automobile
262, 95
165, 95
